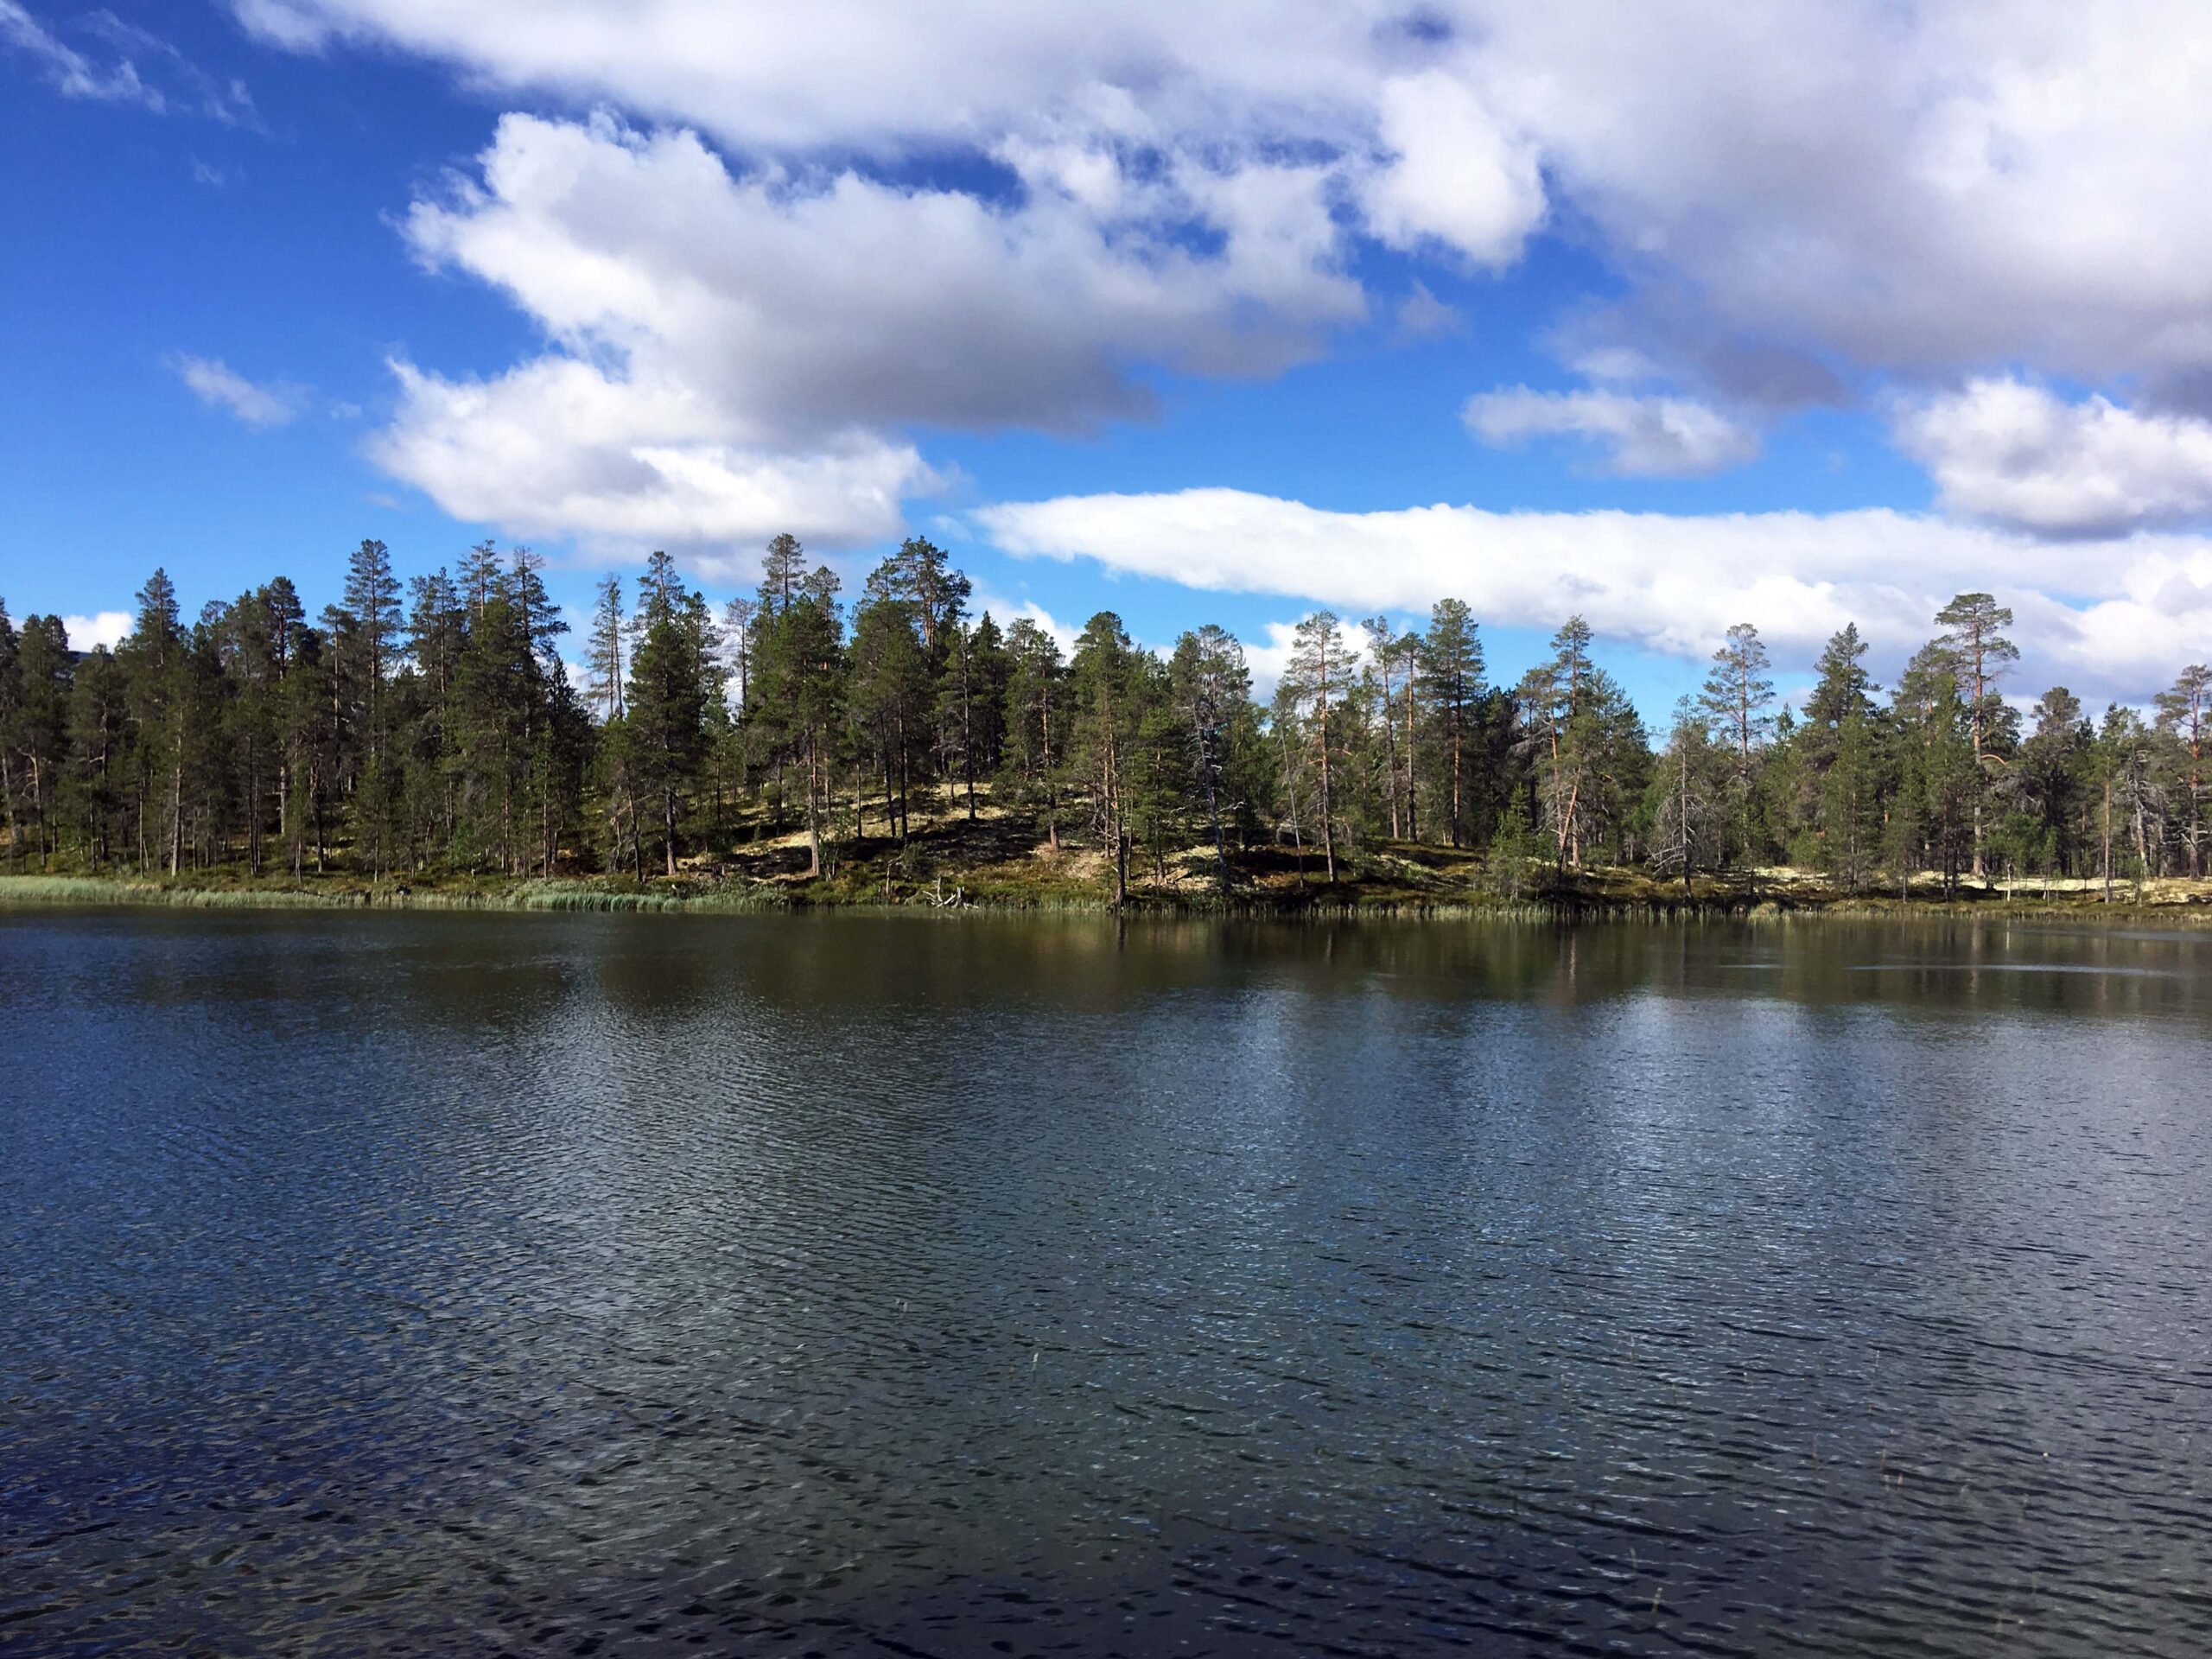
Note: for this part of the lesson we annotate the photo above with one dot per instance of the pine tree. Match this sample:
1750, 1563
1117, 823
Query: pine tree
1036, 723
890, 701
1851, 802
1319, 672
604, 651
1106, 699
2185, 712
1842, 686
1737, 696
1209, 683
666, 699
972, 705
799, 678
783, 573
1451, 674
1974, 624
1687, 787
373, 599
11, 707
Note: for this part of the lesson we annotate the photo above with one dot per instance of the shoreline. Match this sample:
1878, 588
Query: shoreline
1578, 901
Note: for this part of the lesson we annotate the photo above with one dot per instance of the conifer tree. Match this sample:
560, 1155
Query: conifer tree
1210, 683
1737, 696
2185, 713
1036, 723
11, 706
1451, 674
373, 600
1319, 672
1688, 812
1974, 626
666, 699
1107, 699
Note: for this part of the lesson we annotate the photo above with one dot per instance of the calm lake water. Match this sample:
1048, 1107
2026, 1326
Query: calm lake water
427, 1284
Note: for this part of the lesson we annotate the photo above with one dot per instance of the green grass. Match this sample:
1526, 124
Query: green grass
996, 864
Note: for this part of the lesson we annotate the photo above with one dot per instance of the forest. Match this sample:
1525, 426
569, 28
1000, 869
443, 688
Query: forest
431, 728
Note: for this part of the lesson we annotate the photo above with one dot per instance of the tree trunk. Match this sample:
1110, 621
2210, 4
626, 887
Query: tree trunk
1412, 786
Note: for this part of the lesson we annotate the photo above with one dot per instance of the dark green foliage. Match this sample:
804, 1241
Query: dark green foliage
430, 727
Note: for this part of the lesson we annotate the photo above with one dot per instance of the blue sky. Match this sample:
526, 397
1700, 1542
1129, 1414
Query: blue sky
1687, 320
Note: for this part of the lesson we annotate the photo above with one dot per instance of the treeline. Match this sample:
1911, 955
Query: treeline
433, 728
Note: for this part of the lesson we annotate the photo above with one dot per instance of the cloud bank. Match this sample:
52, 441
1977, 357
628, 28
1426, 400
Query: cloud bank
2117, 619
819, 233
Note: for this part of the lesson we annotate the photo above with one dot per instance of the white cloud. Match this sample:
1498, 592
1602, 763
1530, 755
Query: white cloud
2119, 621
74, 74
2014, 453
1421, 315
1269, 658
70, 72
1006, 612
1453, 176
1795, 194
191, 88
219, 386
559, 446
108, 628
731, 352
1645, 436
1934, 184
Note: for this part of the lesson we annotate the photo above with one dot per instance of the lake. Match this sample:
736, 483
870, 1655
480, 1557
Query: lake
864, 1285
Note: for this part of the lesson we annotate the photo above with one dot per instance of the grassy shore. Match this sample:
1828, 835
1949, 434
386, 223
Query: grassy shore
998, 862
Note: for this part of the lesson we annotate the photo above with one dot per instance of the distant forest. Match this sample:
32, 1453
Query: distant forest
433, 728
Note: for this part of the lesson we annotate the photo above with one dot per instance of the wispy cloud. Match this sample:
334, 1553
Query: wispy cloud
170, 83
1645, 436
192, 88
70, 73
1421, 315
219, 386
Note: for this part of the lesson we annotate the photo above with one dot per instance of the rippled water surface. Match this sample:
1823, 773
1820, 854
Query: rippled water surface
463, 1283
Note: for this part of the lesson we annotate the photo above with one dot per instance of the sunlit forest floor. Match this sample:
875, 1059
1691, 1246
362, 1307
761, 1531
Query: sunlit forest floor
1005, 860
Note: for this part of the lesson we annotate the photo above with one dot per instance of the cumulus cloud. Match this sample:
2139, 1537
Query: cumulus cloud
1453, 176
219, 386
559, 446
1006, 612
2118, 622
1909, 186
108, 628
1793, 196
1643, 435
730, 353
1268, 657
2015, 454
